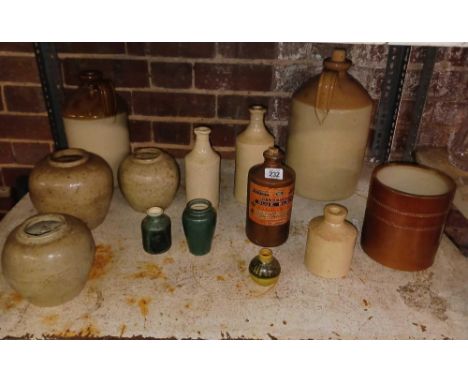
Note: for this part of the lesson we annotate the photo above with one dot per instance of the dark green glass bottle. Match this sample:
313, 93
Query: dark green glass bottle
156, 231
265, 268
199, 222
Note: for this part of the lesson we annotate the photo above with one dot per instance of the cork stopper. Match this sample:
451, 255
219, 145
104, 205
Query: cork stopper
335, 213
338, 55
273, 154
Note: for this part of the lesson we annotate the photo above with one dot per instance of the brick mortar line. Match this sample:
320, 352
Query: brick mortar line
194, 119
26, 140
23, 113
20, 84
6, 53
219, 92
15, 165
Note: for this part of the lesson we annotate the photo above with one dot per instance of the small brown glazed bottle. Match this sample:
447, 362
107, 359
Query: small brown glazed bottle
270, 191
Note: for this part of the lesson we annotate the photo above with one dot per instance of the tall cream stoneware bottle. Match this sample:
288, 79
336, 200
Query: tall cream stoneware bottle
330, 243
202, 166
329, 128
95, 120
250, 145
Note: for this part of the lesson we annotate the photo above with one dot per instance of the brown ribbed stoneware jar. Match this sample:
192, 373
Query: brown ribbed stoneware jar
270, 191
405, 215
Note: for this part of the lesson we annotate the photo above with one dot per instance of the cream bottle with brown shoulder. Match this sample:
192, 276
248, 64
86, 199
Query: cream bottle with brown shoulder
329, 128
95, 120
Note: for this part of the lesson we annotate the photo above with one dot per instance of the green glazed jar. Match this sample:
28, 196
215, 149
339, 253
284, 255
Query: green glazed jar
265, 268
156, 231
199, 222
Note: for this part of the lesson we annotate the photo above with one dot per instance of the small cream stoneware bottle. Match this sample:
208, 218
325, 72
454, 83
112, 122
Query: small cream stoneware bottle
330, 243
202, 166
250, 145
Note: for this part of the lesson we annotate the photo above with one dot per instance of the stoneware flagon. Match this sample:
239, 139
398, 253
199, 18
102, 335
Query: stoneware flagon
95, 119
48, 257
149, 177
329, 128
74, 182
405, 215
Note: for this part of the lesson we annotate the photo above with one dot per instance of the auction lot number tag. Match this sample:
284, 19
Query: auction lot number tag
274, 173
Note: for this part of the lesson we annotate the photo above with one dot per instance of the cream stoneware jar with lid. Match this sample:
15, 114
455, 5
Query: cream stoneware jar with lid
48, 257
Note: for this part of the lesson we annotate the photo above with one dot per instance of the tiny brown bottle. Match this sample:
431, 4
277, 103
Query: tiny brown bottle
270, 191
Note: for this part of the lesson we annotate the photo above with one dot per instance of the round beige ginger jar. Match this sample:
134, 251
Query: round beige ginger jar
74, 182
148, 177
47, 258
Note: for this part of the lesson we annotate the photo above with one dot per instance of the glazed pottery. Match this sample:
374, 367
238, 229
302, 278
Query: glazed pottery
250, 145
270, 198
202, 166
264, 268
405, 215
330, 243
156, 231
47, 258
73, 182
329, 128
199, 222
149, 177
95, 119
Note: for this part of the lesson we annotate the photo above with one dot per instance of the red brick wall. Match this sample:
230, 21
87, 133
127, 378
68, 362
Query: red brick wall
172, 87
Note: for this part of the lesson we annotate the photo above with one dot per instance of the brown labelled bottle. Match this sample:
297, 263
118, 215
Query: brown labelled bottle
270, 191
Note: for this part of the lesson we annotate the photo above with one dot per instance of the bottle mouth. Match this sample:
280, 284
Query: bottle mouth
266, 255
146, 154
154, 211
335, 213
202, 130
68, 158
42, 228
199, 206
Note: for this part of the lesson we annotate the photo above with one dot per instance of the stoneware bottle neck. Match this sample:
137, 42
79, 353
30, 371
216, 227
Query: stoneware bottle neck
202, 139
68, 158
257, 115
154, 212
273, 157
335, 214
265, 255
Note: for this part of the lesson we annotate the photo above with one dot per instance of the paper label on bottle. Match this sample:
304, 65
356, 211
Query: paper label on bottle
270, 206
274, 173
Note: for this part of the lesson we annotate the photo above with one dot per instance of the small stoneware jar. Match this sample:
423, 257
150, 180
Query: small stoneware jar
330, 243
265, 268
156, 231
74, 182
199, 222
47, 258
148, 177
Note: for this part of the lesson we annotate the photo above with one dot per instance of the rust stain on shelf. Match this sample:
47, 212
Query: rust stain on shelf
143, 305
102, 258
150, 271
11, 300
242, 265
168, 260
51, 319
88, 331
220, 278
123, 328
169, 288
